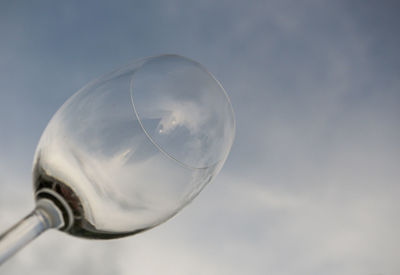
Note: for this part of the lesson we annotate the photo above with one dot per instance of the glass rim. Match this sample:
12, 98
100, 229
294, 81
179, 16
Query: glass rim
141, 63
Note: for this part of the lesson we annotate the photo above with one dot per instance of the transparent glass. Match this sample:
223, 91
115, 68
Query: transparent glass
132, 148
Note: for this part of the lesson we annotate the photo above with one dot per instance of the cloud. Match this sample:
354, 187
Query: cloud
311, 184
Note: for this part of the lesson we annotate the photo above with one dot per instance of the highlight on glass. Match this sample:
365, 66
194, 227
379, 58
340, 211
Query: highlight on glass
127, 152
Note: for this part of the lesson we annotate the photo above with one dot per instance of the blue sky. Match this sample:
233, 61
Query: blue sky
312, 182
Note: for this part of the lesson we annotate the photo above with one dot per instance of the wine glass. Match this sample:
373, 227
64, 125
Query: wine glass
127, 152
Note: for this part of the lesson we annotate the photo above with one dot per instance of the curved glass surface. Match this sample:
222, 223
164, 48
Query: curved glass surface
133, 147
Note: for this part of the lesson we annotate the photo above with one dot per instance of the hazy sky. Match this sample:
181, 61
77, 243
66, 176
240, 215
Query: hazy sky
312, 182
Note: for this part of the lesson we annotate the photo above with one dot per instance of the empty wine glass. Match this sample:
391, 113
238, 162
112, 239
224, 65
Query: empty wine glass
128, 151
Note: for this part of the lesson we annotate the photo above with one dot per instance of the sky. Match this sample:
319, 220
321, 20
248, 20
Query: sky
311, 185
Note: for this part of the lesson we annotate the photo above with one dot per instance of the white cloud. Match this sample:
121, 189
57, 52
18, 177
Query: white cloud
312, 184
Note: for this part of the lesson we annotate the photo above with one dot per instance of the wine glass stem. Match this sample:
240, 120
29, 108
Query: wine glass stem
45, 216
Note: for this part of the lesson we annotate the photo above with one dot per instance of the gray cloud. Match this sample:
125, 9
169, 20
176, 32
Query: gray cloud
311, 184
